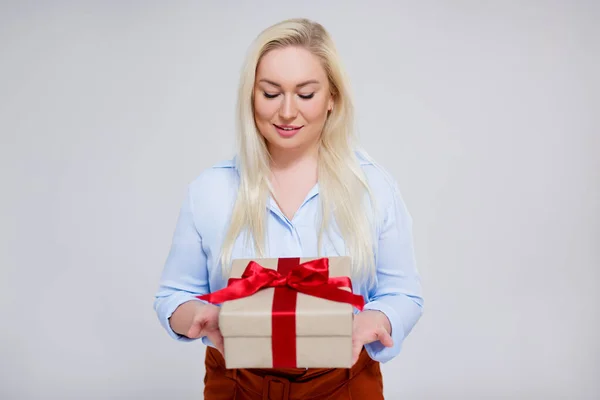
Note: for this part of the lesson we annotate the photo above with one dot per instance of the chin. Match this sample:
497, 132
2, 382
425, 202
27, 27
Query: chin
298, 141
281, 143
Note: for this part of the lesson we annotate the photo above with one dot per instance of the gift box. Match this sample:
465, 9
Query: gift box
288, 313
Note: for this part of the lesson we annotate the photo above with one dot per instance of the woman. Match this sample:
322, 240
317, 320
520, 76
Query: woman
298, 187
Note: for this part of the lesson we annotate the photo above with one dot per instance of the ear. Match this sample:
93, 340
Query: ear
330, 103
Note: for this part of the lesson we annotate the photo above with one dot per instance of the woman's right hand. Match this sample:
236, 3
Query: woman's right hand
195, 319
206, 323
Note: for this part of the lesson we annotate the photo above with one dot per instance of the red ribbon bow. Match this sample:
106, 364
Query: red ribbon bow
311, 278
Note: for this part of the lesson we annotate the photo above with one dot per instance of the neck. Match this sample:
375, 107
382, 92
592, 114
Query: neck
286, 159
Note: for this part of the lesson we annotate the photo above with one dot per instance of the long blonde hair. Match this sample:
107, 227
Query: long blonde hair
342, 184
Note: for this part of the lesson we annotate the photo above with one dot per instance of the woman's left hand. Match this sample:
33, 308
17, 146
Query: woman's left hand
370, 326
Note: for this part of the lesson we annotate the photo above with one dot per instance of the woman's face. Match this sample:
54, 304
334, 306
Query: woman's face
291, 98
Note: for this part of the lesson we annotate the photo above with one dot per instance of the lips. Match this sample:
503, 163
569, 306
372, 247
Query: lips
287, 130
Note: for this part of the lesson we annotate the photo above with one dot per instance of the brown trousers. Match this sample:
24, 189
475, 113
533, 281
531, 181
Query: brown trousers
361, 382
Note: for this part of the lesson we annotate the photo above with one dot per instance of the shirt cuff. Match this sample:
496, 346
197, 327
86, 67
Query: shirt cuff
378, 351
166, 306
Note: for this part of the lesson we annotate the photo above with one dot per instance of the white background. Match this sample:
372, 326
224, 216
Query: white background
486, 112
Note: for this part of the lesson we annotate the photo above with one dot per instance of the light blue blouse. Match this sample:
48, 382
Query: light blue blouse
192, 266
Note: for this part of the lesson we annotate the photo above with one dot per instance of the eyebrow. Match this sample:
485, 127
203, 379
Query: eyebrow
298, 85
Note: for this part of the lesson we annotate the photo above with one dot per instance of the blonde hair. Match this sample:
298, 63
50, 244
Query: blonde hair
342, 184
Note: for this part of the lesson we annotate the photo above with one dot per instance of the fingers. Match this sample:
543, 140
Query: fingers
362, 337
217, 339
205, 320
356, 349
384, 337
195, 330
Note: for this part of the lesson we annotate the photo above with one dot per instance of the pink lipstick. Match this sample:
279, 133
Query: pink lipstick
287, 130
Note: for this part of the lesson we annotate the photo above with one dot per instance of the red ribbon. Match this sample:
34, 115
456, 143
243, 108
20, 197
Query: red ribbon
311, 278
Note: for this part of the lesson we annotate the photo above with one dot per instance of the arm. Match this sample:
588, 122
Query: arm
397, 293
185, 275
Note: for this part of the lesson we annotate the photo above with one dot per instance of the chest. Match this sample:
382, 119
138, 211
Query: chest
290, 193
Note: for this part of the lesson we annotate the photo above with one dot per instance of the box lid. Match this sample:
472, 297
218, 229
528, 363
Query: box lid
251, 316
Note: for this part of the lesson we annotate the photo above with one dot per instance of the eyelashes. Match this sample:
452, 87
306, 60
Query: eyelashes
302, 96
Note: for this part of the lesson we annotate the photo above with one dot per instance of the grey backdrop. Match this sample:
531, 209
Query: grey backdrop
486, 112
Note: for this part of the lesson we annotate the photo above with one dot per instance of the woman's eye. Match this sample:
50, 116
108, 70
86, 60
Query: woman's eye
302, 96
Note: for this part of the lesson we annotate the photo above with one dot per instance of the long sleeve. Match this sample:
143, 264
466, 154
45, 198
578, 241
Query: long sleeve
398, 290
185, 273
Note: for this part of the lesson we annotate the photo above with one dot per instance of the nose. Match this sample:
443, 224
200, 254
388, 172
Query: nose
287, 109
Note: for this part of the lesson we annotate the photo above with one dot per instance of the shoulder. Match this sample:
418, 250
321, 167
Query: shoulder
380, 180
220, 176
214, 189
384, 189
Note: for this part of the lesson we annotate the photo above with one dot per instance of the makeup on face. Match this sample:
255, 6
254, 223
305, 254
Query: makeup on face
291, 97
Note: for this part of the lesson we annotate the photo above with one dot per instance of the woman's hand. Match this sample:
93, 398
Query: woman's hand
370, 326
195, 319
206, 323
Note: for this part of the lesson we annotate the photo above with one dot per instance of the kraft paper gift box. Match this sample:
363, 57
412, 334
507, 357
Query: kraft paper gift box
281, 327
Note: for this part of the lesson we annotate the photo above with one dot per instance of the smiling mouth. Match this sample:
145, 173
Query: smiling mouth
287, 128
